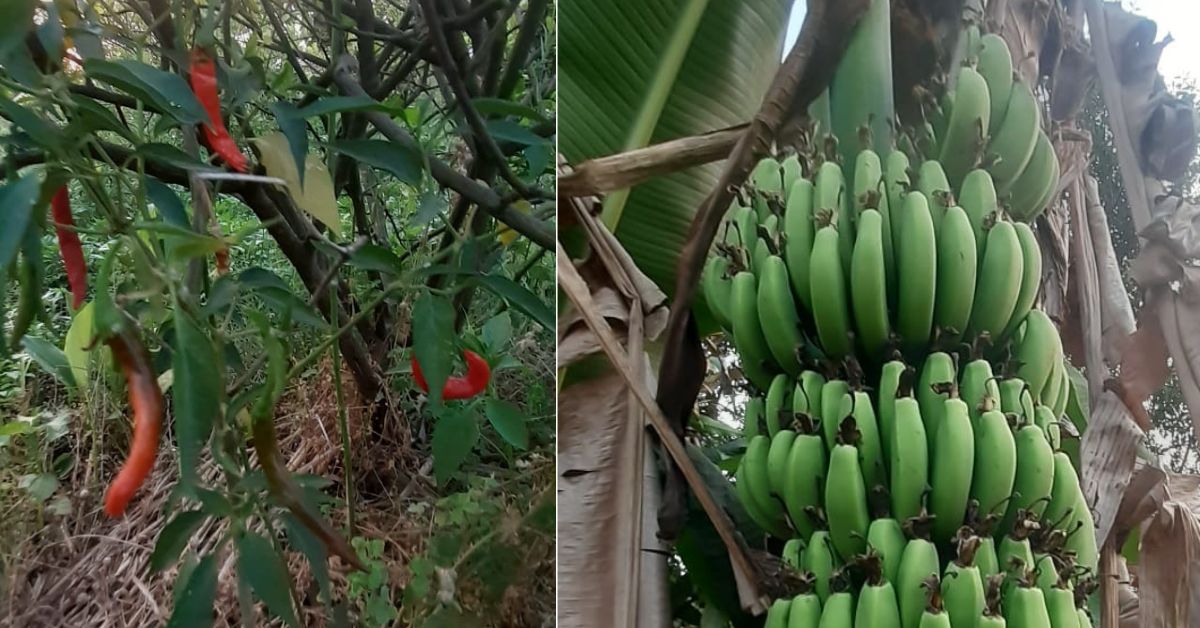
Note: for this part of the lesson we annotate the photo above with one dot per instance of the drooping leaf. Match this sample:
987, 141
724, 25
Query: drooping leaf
50, 358
194, 605
313, 550
454, 436
405, 164
157, 151
16, 17
498, 107
509, 422
174, 539
261, 567
197, 392
377, 258
291, 124
165, 91
75, 346
509, 131
433, 341
24, 119
16, 206
168, 203
519, 297
340, 104
315, 196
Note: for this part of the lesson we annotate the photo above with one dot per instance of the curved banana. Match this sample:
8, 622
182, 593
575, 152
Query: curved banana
1085, 620
889, 384
1045, 419
777, 615
876, 604
804, 482
805, 611
830, 197
716, 286
870, 450
1064, 395
793, 553
793, 171
933, 183
821, 561
748, 337
1039, 351
868, 283
846, 501
998, 285
978, 388
938, 371
777, 402
1035, 474
886, 538
953, 464
966, 131
917, 564
896, 183
741, 232
1031, 277
916, 273
1015, 400
860, 92
995, 463
838, 611
1013, 143
985, 557
996, 68
909, 460
836, 404
956, 266
977, 197
777, 459
1060, 607
1065, 492
778, 316
742, 488
962, 587
1025, 607
1036, 183
797, 247
831, 311
806, 398
1083, 540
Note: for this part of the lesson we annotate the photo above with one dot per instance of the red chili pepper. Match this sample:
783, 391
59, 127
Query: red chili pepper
463, 386
69, 246
146, 399
204, 83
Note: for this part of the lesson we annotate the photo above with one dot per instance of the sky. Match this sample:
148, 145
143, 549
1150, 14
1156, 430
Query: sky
1180, 18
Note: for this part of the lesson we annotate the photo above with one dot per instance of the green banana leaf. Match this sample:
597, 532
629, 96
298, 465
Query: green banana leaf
635, 73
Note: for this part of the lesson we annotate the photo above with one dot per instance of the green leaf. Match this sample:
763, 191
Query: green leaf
257, 277
172, 156
40, 486
16, 206
497, 331
375, 257
197, 392
50, 358
16, 18
174, 539
291, 123
24, 119
340, 104
498, 107
194, 606
313, 550
509, 422
1077, 399
168, 203
96, 117
405, 164
284, 303
430, 206
260, 566
634, 73
433, 341
166, 91
509, 131
79, 336
519, 297
454, 436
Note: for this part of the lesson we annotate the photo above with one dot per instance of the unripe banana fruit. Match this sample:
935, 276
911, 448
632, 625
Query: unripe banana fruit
977, 197
778, 316
748, 337
868, 285
967, 129
831, 311
999, 282
956, 266
1013, 143
995, 66
917, 273
953, 464
995, 463
799, 231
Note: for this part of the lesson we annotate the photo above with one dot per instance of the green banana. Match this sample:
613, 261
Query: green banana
956, 268
819, 112
985, 557
889, 384
886, 538
967, 129
831, 311
995, 463
970, 43
860, 93
1044, 418
1064, 394
836, 404
1014, 393
993, 616
777, 615
747, 331
793, 552
1035, 474
877, 606
797, 248
896, 183
917, 564
870, 450
762, 251
934, 130
937, 372
749, 502
830, 197
846, 498
838, 611
1082, 536
1036, 183
778, 316
996, 68
1025, 607
806, 608
767, 175
777, 463
1051, 389
777, 402
1013, 142
889, 251
758, 482
821, 561
998, 285
953, 464
804, 482
1015, 553
806, 399
1040, 349
962, 586
916, 273
868, 283
753, 417
1047, 574
978, 388
977, 197
793, 171
716, 286
909, 460
933, 183
868, 173
741, 232
1060, 607
1031, 277
1085, 620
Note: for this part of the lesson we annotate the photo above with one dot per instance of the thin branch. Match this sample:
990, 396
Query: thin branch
530, 27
